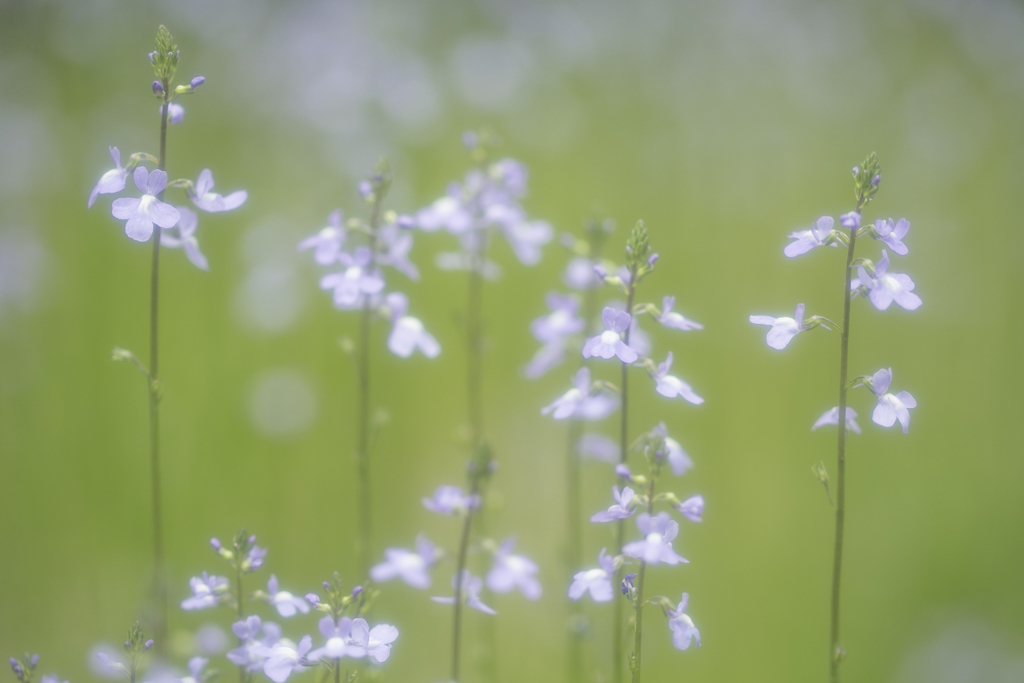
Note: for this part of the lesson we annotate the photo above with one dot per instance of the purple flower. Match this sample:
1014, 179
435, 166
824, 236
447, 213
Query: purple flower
253, 652
890, 407
407, 332
805, 240
284, 602
624, 506
885, 287
683, 630
561, 322
549, 356
412, 567
175, 113
339, 640
113, 180
623, 472
397, 244
326, 244
447, 212
143, 212
376, 640
450, 500
609, 343
598, 582
692, 508
471, 587
284, 658
783, 329
893, 235
598, 447
356, 281
254, 558
627, 586
195, 668
581, 402
50, 678
850, 220
670, 318
511, 571
656, 545
580, 275
677, 458
197, 81
206, 199
186, 238
831, 417
207, 591
671, 386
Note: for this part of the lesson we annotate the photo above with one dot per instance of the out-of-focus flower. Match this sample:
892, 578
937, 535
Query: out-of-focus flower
206, 199
670, 318
656, 546
451, 500
186, 238
831, 417
471, 587
511, 571
683, 630
581, 402
412, 567
207, 591
113, 180
358, 280
141, 213
407, 332
284, 602
284, 658
598, 582
624, 506
692, 508
671, 386
609, 343
327, 243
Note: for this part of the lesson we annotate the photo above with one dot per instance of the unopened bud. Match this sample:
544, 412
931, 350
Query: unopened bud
158, 89
327, 586
856, 170
313, 599
152, 56
197, 81
149, 644
356, 591
252, 539
365, 189
623, 471
600, 271
651, 259
876, 180
33, 661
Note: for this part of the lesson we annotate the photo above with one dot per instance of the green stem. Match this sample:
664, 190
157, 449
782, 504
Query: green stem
837, 558
638, 633
159, 570
459, 568
620, 527
364, 528
337, 671
241, 611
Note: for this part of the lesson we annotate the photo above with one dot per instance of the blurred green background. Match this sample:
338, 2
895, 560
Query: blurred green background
724, 125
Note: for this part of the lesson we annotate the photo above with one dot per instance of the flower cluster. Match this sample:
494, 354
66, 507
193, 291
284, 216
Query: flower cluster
261, 645
24, 670
874, 281
362, 249
177, 224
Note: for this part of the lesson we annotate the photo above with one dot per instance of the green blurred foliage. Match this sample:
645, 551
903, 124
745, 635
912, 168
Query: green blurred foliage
724, 127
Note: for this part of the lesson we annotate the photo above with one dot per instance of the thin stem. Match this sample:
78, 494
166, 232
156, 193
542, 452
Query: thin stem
337, 671
837, 558
620, 527
364, 497
241, 614
460, 567
638, 634
159, 572
474, 374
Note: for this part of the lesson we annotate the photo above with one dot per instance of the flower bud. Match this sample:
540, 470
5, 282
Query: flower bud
365, 189
252, 539
158, 89
356, 591
215, 544
313, 599
149, 644
627, 584
623, 471
651, 259
856, 171
33, 661
151, 56
850, 220
470, 140
327, 586
197, 81
600, 271
876, 180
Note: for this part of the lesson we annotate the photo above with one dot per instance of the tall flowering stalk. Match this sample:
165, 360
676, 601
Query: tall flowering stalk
570, 320
363, 248
176, 229
488, 200
882, 288
623, 340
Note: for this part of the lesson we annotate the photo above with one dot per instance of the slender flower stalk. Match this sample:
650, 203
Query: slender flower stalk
637, 658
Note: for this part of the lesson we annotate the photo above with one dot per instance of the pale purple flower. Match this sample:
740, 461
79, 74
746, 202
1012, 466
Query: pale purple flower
805, 240
625, 506
450, 500
407, 333
527, 239
692, 508
511, 571
622, 471
783, 329
284, 658
656, 546
207, 591
377, 640
609, 343
886, 287
210, 639
284, 602
339, 640
471, 587
850, 220
50, 678
893, 234
175, 113
678, 460
598, 582
141, 213
206, 199
253, 652
891, 407
447, 212
561, 322
831, 417
580, 275
397, 244
683, 630
581, 402
254, 558
412, 567
548, 356
356, 281
113, 180
195, 668
671, 386
326, 244
186, 238
670, 318
598, 447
